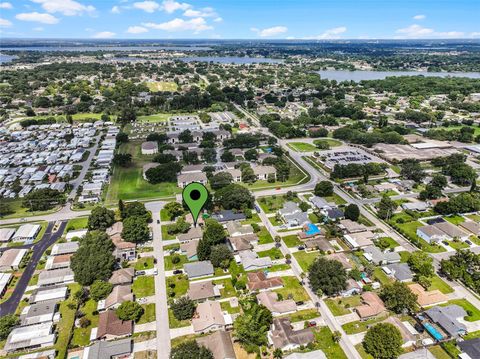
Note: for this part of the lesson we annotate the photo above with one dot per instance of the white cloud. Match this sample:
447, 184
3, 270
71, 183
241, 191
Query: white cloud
205, 12
147, 6
136, 30
270, 31
104, 35
37, 17
218, 19
5, 5
65, 7
332, 33
416, 31
115, 10
38, 29
197, 25
170, 6
419, 17
5, 23
475, 34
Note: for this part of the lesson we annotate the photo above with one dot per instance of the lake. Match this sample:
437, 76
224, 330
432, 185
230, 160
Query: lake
344, 75
6, 58
232, 59
105, 48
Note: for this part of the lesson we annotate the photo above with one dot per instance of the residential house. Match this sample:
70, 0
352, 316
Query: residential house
375, 255
40, 313
193, 234
242, 243
48, 295
264, 172
427, 298
350, 226
149, 148
5, 279
292, 215
470, 347
359, 240
319, 202
277, 307
203, 290
333, 213
198, 269
235, 229
78, 233
447, 318
55, 277
471, 226
219, 343
452, 231
316, 354
6, 234
118, 349
400, 271
319, 244
122, 276
416, 206
209, 317
190, 249
250, 260
258, 281
184, 179
371, 307
64, 248
111, 327
228, 215
26, 233
31, 337
283, 337
11, 259
119, 294
431, 234
57, 262
353, 288
342, 258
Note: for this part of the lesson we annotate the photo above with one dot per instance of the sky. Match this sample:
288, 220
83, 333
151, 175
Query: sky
240, 19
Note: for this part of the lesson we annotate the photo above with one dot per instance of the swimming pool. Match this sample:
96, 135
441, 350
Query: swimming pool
311, 229
433, 332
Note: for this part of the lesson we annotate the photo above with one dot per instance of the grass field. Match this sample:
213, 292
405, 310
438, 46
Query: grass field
144, 263
148, 314
143, 286
170, 266
305, 259
159, 117
302, 315
65, 325
455, 219
162, 86
76, 223
341, 306
81, 336
439, 353
473, 312
273, 253
177, 284
174, 322
409, 229
302, 147
331, 142
292, 241
361, 326
17, 210
292, 288
324, 341
264, 236
128, 183
438, 283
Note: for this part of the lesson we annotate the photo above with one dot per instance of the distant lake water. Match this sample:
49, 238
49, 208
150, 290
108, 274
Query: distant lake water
344, 75
6, 58
232, 59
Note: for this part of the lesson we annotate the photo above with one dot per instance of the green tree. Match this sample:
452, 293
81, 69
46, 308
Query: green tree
129, 311
386, 207
383, 341
214, 232
251, 328
135, 209
100, 290
185, 136
183, 308
121, 137
278, 353
398, 297
421, 263
174, 209
220, 256
135, 229
323, 189
227, 156
100, 218
43, 199
7, 323
122, 159
220, 180
352, 212
412, 169
439, 181
327, 276
234, 196
251, 154
93, 259
190, 349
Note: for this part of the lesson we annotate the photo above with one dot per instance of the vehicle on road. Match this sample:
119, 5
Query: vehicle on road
177, 271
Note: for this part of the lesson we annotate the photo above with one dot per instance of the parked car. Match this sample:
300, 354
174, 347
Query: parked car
140, 272
158, 221
301, 248
312, 323
446, 243
177, 271
257, 209
468, 242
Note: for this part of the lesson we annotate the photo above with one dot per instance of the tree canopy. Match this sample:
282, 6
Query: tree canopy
327, 276
100, 218
129, 310
398, 297
189, 350
135, 229
383, 341
234, 196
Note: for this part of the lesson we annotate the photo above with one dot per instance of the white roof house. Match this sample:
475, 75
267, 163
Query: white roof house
57, 294
26, 232
32, 336
64, 248
11, 258
55, 277
6, 234
4, 281
79, 233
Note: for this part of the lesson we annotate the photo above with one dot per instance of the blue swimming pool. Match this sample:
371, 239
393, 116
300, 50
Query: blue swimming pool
311, 229
433, 332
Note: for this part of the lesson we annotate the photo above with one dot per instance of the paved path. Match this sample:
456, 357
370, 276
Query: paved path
11, 304
161, 309
146, 327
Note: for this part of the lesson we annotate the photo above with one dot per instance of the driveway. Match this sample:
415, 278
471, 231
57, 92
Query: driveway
49, 238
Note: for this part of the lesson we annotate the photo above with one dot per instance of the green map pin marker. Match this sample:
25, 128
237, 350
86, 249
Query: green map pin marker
195, 196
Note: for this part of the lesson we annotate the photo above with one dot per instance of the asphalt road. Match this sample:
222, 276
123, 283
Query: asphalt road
49, 238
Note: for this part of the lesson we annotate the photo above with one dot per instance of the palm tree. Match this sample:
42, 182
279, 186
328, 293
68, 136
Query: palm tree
277, 353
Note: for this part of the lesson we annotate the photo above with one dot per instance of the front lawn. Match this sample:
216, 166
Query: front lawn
455, 219
329, 141
165, 235
264, 236
303, 315
380, 275
228, 290
341, 306
292, 241
271, 204
305, 259
143, 286
324, 341
178, 285
229, 309
457, 245
148, 313
273, 253
255, 219
361, 326
81, 336
144, 263
438, 283
169, 265
293, 289
174, 322
76, 223
67, 320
